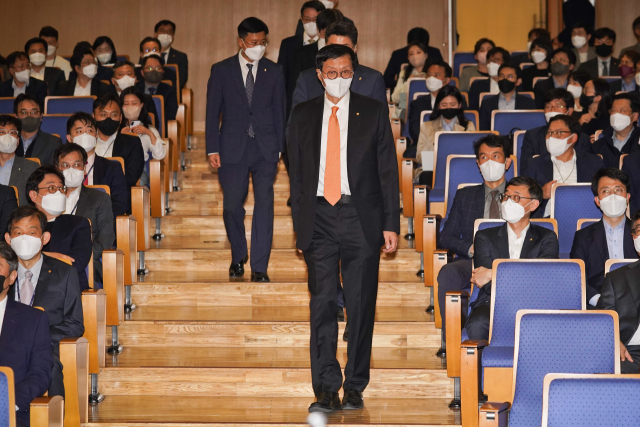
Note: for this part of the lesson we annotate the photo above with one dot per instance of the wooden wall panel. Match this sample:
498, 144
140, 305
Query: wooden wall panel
206, 29
618, 15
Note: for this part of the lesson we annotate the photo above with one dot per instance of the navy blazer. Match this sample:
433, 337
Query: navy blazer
68, 87
71, 236
8, 202
631, 166
226, 94
399, 57
36, 87
457, 233
25, 347
610, 153
285, 57
535, 143
476, 88
182, 61
42, 147
540, 90
621, 293
170, 99
53, 77
491, 103
304, 58
109, 172
129, 147
590, 245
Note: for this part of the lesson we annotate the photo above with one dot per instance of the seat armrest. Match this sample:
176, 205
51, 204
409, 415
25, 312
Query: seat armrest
438, 260
494, 414
470, 380
407, 188
456, 311
430, 230
74, 356
47, 411
419, 212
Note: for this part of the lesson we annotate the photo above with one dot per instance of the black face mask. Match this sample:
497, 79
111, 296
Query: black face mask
153, 77
30, 124
586, 101
506, 86
450, 113
604, 50
108, 126
558, 69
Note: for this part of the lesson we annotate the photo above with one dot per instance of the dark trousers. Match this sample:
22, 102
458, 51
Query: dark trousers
56, 388
339, 243
627, 367
234, 180
453, 277
478, 321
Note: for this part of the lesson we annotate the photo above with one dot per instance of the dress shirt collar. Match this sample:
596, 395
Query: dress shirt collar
555, 83
244, 62
105, 145
27, 142
559, 163
503, 104
628, 87
609, 229
165, 55
516, 243
500, 188
620, 143
343, 104
72, 201
15, 86
449, 127
308, 40
8, 164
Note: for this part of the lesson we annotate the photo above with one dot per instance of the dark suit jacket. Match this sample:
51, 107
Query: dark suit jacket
528, 74
478, 87
25, 347
373, 169
399, 57
457, 233
415, 109
170, 99
71, 235
42, 147
182, 61
493, 243
67, 87
591, 67
621, 292
109, 172
590, 245
610, 153
129, 147
8, 203
36, 87
20, 173
285, 57
535, 142
540, 89
104, 73
226, 94
631, 166
169, 74
58, 292
304, 58
491, 103
53, 77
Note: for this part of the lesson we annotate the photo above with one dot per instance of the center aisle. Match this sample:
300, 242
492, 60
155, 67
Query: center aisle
202, 349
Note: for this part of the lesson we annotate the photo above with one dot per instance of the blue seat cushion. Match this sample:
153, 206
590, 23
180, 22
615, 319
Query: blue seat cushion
496, 357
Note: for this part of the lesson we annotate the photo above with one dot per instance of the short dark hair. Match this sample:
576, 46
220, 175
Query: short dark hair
144, 60
510, 65
252, 25
162, 23
560, 93
342, 28
25, 97
66, 149
333, 51
506, 56
78, 56
449, 90
8, 119
313, 4
538, 32
418, 34
543, 43
492, 140
143, 117
603, 32
48, 31
613, 173
8, 254
633, 55
328, 17
570, 121
602, 88
121, 64
37, 177
13, 57
633, 100
569, 52
636, 23
104, 39
33, 41
448, 72
150, 39
580, 76
479, 44
101, 102
81, 116
535, 191
26, 211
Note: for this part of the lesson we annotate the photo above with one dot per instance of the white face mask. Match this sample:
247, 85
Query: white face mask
434, 84
23, 76
638, 79
86, 141
165, 39
311, 29
90, 70
328, 4
8, 143
548, 116
556, 146
574, 90
614, 206
492, 171
104, 57
538, 56
493, 68
482, 58
337, 87
51, 49
132, 112
25, 246
636, 244
254, 53
37, 58
578, 41
125, 82
55, 203
512, 212
619, 121
73, 177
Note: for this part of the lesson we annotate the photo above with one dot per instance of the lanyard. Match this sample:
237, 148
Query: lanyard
18, 291
73, 211
86, 176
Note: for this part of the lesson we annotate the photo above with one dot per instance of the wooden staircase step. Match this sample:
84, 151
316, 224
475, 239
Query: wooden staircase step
207, 181
206, 203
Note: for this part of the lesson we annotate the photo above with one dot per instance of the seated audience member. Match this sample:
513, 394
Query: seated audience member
36, 143
480, 53
26, 341
417, 59
609, 238
556, 101
90, 203
533, 34
50, 35
448, 116
45, 282
562, 63
399, 57
618, 291
471, 203
153, 72
81, 130
85, 82
541, 52
624, 138
496, 57
580, 36
21, 80
137, 121
596, 102
105, 50
636, 33
70, 235
327, 4
36, 48
577, 80
103, 73
627, 70
152, 46
507, 99
165, 32
517, 239
124, 76
14, 171
561, 163
604, 64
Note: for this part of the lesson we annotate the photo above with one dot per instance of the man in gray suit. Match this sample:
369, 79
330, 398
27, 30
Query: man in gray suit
14, 170
35, 142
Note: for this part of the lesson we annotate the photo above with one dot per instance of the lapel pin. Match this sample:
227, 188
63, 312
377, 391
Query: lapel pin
357, 114
531, 239
49, 271
265, 69
360, 78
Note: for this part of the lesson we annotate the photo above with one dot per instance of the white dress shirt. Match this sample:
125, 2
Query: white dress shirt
565, 172
601, 63
72, 200
19, 90
245, 69
39, 76
343, 121
61, 63
105, 148
515, 243
494, 89
35, 271
3, 307
89, 168
82, 91
635, 339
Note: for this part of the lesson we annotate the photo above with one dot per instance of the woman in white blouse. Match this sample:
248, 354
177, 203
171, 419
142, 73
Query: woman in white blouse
416, 68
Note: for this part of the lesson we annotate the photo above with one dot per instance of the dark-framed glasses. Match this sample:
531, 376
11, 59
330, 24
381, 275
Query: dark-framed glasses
516, 198
52, 189
345, 74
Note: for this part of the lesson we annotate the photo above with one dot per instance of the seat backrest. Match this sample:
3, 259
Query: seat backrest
611, 79
518, 138
6, 105
7, 398
416, 84
68, 104
525, 65
547, 341
569, 203
470, 115
158, 100
585, 222
55, 124
483, 224
119, 160
604, 400
506, 121
420, 95
103, 188
614, 264
460, 58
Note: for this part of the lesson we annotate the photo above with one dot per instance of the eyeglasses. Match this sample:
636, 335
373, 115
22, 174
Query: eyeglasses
636, 231
26, 113
557, 133
605, 192
76, 165
158, 68
516, 198
345, 74
254, 44
17, 68
13, 133
52, 189
150, 50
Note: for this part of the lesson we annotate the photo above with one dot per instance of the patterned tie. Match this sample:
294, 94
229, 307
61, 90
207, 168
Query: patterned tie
152, 90
26, 288
494, 209
605, 69
332, 182
249, 85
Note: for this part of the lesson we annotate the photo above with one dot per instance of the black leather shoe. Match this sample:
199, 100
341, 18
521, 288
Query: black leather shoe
352, 399
260, 277
237, 269
345, 336
340, 314
328, 401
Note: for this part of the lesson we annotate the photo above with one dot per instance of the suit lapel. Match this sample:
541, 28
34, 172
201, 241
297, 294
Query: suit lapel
503, 243
478, 201
117, 147
357, 80
43, 282
629, 249
355, 116
548, 170
9, 324
261, 80
237, 77
316, 129
600, 239
529, 243
98, 170
83, 201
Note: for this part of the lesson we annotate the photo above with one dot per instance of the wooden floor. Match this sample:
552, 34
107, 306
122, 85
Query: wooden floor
202, 349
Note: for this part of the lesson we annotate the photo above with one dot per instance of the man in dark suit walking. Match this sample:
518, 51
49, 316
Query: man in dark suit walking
249, 92
344, 202
165, 31
21, 81
39, 144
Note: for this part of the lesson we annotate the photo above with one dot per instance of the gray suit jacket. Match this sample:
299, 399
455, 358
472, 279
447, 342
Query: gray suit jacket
22, 169
42, 147
591, 53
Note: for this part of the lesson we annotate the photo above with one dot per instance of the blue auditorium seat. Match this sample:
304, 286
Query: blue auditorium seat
506, 121
460, 58
56, 124
6, 105
68, 104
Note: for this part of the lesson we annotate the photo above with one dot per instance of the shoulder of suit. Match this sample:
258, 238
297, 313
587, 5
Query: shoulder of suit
621, 272
492, 231
29, 313
365, 101
93, 192
469, 190
50, 265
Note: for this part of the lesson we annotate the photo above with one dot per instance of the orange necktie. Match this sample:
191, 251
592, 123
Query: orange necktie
332, 183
